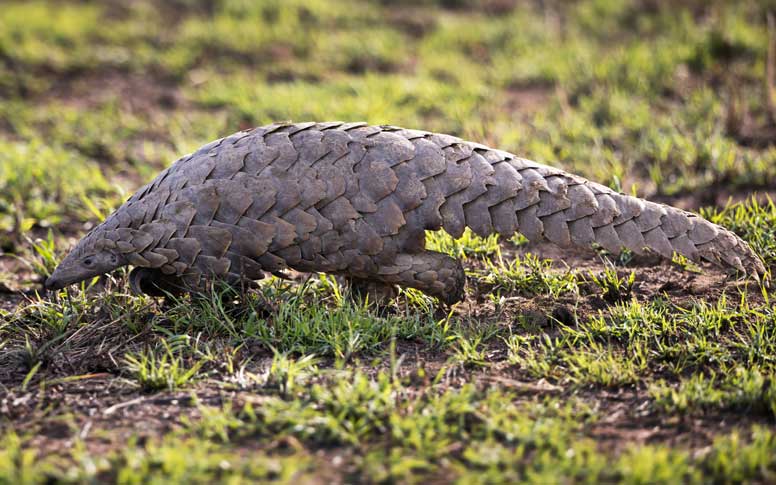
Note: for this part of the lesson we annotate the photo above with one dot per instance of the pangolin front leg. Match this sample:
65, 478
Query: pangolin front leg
154, 283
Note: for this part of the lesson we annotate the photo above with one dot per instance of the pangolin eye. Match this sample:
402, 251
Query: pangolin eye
88, 262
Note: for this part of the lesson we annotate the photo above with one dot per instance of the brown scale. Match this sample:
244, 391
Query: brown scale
356, 200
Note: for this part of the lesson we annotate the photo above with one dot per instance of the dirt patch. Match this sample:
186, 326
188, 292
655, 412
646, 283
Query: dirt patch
628, 419
96, 403
140, 93
16, 277
528, 100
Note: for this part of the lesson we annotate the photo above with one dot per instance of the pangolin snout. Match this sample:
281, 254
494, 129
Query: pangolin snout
53, 283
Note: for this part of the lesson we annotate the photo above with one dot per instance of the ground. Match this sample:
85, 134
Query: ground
572, 366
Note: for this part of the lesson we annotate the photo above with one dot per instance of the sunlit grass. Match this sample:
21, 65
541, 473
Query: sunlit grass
45, 185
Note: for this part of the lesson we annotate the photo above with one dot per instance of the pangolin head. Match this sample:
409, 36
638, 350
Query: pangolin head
91, 257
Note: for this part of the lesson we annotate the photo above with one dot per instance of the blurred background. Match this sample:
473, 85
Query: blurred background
672, 100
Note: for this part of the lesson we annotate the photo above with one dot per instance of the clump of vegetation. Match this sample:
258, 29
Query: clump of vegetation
614, 288
743, 390
165, 368
529, 275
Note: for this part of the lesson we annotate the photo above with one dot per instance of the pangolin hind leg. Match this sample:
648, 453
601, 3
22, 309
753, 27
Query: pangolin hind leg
372, 291
433, 273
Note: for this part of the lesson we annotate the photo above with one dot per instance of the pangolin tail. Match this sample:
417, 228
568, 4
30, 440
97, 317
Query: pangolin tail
542, 202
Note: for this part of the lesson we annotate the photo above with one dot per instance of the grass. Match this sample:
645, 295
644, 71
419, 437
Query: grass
742, 389
557, 367
613, 286
529, 275
397, 435
157, 370
45, 186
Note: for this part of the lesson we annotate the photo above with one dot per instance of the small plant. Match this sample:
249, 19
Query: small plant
538, 356
685, 264
45, 260
614, 288
416, 299
157, 370
519, 349
286, 373
469, 350
597, 364
20, 463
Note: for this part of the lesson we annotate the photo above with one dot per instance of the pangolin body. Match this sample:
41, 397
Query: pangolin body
356, 200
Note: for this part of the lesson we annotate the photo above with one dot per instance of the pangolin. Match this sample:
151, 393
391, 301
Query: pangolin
355, 200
